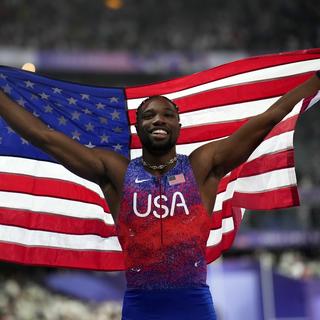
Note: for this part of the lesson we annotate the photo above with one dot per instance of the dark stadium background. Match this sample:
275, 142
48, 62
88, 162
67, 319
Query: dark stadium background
273, 269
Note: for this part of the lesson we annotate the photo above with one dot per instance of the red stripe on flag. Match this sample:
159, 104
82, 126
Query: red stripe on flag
227, 213
240, 93
55, 223
263, 164
279, 198
284, 126
44, 256
199, 133
223, 71
307, 101
269, 162
214, 252
235, 94
50, 188
219, 130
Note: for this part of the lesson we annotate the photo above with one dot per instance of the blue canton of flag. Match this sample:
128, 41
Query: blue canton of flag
93, 116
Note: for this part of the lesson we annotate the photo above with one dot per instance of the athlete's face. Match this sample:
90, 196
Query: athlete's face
158, 125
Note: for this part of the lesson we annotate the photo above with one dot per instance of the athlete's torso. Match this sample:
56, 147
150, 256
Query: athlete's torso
163, 228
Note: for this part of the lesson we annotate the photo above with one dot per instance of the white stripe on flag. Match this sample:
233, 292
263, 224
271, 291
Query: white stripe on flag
56, 206
222, 114
251, 76
266, 181
44, 169
283, 141
275, 143
57, 240
314, 100
254, 184
215, 236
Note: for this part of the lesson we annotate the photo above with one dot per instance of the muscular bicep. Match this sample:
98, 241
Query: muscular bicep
220, 157
91, 164
237, 148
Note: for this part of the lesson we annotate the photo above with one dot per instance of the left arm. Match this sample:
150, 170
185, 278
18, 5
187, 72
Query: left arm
220, 157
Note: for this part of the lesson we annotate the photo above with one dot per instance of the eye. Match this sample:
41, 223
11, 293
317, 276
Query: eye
147, 115
172, 117
170, 114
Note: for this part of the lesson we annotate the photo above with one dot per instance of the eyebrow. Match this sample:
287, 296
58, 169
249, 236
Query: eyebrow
170, 108
167, 108
146, 111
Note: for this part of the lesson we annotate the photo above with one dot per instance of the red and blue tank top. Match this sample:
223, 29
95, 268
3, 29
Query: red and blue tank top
163, 228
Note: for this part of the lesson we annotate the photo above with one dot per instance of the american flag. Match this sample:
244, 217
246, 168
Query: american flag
176, 179
49, 216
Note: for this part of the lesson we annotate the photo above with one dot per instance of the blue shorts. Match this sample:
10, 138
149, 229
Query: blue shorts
168, 304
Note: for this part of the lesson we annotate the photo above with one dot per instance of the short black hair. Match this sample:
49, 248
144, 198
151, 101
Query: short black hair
155, 97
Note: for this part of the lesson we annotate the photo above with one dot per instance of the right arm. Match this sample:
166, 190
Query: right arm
97, 165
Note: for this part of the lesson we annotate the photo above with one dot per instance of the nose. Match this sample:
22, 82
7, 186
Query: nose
158, 119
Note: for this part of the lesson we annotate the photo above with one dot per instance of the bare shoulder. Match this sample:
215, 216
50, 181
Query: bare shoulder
115, 166
202, 161
111, 182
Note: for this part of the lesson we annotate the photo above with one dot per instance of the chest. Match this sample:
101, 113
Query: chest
167, 209
169, 205
161, 197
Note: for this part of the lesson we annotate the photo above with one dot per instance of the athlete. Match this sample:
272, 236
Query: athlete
162, 202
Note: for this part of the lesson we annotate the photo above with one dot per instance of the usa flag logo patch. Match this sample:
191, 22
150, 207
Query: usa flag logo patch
176, 179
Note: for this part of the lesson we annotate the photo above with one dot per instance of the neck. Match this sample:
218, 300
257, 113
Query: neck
159, 163
158, 158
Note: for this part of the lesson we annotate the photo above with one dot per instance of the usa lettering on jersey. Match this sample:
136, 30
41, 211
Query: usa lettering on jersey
159, 202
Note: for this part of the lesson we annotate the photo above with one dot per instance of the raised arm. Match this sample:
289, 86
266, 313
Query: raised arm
99, 166
220, 157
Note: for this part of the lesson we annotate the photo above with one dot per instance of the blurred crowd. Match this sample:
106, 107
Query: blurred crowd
294, 264
150, 25
24, 297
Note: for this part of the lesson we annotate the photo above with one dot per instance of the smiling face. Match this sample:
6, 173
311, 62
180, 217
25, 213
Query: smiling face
158, 125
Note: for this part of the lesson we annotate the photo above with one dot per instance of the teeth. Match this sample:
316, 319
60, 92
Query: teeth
160, 131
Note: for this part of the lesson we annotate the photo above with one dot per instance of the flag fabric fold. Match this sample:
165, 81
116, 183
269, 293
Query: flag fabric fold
49, 216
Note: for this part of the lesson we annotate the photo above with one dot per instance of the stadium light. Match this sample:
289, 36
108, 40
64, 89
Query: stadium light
29, 67
114, 4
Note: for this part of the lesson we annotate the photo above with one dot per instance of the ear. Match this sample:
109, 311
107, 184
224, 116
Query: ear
137, 126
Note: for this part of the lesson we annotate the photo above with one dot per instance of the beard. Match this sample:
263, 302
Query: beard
157, 147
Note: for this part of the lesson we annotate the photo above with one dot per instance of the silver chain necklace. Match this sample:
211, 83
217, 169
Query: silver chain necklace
160, 166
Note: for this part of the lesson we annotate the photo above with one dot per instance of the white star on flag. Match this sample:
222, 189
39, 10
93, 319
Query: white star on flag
115, 115
100, 106
84, 96
57, 90
44, 96
29, 84
71, 100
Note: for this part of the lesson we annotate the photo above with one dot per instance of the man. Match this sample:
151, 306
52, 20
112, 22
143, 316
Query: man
161, 203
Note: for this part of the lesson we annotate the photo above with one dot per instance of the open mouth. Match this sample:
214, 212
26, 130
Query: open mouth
159, 133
